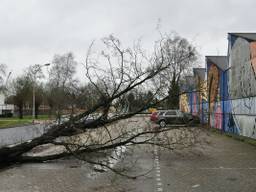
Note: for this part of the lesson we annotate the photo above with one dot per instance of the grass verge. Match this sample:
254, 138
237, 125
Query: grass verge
17, 122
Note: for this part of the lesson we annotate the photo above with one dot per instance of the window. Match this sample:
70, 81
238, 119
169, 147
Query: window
170, 113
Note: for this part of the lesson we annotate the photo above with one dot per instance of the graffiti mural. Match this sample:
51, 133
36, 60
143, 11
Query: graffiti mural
184, 103
186, 99
215, 88
242, 62
200, 93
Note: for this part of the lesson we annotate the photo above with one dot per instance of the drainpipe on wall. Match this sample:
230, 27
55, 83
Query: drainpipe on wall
209, 102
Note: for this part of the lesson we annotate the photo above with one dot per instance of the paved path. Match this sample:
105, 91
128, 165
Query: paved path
219, 164
223, 164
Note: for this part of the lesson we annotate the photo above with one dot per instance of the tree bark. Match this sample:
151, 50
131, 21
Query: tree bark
20, 111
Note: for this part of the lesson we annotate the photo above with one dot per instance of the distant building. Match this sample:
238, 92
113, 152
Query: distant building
5, 109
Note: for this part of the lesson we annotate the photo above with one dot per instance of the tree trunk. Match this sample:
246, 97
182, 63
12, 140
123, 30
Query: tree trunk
50, 111
36, 111
173, 99
20, 111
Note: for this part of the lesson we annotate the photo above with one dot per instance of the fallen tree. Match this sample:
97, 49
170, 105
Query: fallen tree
113, 74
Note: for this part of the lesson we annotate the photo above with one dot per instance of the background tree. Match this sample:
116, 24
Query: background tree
35, 73
180, 55
39, 97
136, 100
22, 87
83, 97
61, 82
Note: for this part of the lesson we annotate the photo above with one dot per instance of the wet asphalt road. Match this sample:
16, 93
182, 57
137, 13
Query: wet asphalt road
220, 164
16, 135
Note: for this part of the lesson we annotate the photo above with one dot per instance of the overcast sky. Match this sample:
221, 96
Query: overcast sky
32, 31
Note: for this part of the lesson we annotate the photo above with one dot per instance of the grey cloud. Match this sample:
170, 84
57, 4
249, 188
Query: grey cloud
32, 31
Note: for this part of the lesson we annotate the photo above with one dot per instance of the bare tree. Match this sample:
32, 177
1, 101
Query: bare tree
112, 74
180, 55
22, 88
61, 82
25, 87
35, 73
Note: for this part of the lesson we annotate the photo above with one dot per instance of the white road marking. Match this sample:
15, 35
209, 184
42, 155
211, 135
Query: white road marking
195, 186
158, 179
157, 169
228, 168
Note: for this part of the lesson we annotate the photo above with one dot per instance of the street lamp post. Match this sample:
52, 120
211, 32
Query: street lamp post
34, 91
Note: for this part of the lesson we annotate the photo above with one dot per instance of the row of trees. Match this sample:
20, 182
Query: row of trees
61, 91
56, 92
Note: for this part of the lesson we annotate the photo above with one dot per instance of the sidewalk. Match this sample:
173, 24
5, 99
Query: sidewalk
221, 164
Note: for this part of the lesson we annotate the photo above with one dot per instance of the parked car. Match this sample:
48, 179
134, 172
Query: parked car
154, 115
173, 117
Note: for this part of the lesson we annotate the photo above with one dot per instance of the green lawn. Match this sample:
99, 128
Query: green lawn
15, 121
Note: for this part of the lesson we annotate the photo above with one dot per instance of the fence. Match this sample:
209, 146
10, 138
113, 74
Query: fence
236, 116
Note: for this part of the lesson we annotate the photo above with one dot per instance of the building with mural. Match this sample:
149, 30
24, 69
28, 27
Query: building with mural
194, 96
5, 109
242, 81
216, 74
225, 94
200, 94
186, 98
